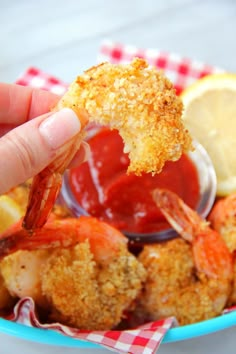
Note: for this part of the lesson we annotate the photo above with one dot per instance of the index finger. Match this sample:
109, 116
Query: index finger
19, 103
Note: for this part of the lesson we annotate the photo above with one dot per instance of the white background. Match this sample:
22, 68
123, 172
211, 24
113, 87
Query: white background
63, 38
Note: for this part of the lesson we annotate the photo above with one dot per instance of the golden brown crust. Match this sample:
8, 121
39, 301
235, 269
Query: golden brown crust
174, 287
87, 294
141, 103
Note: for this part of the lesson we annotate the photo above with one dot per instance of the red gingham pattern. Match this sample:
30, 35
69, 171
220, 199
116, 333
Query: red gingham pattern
145, 339
34, 77
181, 71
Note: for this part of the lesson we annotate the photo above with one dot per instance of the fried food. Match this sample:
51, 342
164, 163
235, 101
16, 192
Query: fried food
191, 281
79, 270
89, 294
169, 267
223, 220
141, 103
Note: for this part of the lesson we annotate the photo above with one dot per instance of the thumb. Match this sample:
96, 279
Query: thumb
29, 148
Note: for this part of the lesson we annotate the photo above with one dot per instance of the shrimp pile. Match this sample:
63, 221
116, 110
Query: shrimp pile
137, 100
189, 278
78, 270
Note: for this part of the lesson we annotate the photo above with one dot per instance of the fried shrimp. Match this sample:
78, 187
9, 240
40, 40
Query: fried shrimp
170, 267
89, 294
141, 103
137, 100
190, 281
79, 270
223, 220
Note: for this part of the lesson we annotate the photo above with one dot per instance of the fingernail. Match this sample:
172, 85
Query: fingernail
60, 127
87, 151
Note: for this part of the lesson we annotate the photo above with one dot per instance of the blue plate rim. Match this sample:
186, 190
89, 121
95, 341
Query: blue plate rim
52, 337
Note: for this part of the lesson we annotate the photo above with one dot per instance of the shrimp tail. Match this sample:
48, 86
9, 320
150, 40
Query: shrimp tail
43, 194
105, 241
46, 187
181, 217
52, 235
211, 254
10, 239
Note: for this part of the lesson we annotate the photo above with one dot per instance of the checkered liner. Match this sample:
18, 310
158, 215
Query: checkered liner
34, 77
182, 72
145, 339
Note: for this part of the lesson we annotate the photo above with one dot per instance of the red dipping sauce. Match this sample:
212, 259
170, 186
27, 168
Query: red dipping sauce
102, 187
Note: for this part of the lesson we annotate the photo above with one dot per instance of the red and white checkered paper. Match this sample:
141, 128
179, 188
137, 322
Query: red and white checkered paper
34, 77
182, 72
144, 339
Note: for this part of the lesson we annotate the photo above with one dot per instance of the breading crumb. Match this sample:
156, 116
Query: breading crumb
141, 103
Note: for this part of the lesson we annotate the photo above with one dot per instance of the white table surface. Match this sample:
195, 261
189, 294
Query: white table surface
62, 38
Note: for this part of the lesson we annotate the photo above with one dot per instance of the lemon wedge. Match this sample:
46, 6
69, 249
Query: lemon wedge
10, 212
210, 116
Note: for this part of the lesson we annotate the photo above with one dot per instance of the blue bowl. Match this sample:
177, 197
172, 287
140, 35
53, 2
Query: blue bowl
52, 337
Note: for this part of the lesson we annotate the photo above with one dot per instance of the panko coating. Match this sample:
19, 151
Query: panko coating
174, 288
197, 277
141, 103
169, 267
79, 270
88, 294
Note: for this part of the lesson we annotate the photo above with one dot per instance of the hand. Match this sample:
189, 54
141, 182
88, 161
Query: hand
26, 145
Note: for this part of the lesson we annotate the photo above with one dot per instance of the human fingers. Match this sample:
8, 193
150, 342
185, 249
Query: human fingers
19, 104
29, 148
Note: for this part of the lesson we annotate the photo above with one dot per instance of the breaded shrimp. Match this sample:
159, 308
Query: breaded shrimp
169, 267
85, 278
223, 220
20, 194
137, 100
191, 282
89, 294
141, 103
